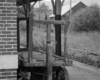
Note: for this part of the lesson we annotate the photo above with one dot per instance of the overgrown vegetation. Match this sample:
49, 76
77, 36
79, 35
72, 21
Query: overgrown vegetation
85, 57
87, 20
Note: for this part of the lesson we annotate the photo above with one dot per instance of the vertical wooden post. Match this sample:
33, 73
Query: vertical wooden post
68, 21
30, 38
65, 37
49, 54
28, 7
65, 40
58, 27
39, 14
30, 48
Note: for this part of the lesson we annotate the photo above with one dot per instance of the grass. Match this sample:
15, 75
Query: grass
82, 44
85, 41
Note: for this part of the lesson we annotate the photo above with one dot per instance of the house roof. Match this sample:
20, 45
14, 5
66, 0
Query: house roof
66, 8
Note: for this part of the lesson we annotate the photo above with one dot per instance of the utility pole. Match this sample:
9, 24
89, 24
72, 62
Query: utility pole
70, 11
39, 14
92, 3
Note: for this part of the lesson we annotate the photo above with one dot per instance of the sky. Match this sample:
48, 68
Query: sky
87, 2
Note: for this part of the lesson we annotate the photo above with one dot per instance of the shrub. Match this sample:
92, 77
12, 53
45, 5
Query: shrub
87, 19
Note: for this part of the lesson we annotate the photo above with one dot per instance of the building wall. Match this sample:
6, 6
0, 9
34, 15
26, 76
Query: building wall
75, 9
8, 40
78, 7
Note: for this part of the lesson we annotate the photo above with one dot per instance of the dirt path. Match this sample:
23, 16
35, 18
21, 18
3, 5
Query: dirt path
82, 72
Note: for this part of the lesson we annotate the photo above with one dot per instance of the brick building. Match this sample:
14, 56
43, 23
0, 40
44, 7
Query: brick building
8, 40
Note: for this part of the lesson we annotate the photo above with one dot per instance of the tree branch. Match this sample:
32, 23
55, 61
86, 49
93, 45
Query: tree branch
33, 5
62, 3
53, 5
25, 10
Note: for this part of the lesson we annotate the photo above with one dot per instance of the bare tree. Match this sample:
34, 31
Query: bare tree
53, 5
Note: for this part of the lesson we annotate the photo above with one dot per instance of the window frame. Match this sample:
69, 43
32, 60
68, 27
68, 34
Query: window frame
18, 34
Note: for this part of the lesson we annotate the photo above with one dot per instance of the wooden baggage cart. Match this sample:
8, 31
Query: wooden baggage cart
40, 65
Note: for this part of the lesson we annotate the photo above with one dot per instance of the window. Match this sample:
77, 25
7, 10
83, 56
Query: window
22, 34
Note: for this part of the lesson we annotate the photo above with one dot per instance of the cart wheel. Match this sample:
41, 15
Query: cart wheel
62, 74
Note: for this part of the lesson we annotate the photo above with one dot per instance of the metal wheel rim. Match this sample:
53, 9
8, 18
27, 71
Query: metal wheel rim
60, 75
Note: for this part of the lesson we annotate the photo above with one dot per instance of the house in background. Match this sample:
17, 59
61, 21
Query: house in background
66, 9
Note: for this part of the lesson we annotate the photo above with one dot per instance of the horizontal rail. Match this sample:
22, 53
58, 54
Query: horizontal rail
52, 54
50, 22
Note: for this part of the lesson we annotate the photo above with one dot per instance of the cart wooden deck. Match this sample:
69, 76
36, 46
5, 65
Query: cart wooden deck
39, 59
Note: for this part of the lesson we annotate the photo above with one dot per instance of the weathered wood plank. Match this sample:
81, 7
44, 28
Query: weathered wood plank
49, 54
30, 49
34, 64
50, 22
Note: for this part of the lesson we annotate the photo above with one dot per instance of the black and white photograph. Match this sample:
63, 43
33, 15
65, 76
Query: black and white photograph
49, 39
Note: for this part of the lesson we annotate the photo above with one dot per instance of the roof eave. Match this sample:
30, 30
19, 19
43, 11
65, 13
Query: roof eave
20, 2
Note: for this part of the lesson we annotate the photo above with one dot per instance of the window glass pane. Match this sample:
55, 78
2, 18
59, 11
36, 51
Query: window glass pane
23, 33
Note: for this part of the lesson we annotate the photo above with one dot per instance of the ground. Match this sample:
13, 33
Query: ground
81, 71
